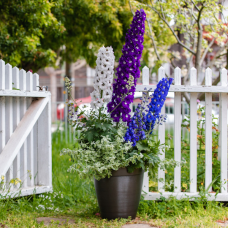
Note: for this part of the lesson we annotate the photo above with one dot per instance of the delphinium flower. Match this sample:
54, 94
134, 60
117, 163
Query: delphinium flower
136, 128
72, 114
147, 115
157, 101
103, 77
74, 111
128, 70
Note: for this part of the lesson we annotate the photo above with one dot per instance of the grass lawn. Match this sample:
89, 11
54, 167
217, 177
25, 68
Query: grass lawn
74, 200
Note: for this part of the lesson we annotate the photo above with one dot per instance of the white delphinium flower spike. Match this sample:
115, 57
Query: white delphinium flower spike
103, 77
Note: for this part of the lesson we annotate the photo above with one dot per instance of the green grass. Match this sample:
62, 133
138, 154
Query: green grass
74, 198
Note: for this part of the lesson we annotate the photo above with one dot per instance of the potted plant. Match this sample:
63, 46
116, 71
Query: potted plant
112, 146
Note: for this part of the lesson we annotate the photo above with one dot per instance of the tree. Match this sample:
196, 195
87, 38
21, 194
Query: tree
22, 26
33, 34
196, 27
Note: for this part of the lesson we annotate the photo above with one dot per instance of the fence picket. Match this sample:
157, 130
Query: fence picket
193, 134
23, 108
145, 81
2, 106
222, 152
2, 113
177, 131
161, 137
16, 121
30, 146
9, 116
35, 131
208, 131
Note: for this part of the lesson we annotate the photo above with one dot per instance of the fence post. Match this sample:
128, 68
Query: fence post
16, 121
145, 81
44, 175
2, 106
9, 116
177, 131
193, 133
222, 150
23, 108
208, 131
161, 137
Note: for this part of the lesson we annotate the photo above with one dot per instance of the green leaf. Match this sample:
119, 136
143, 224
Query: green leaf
142, 146
89, 136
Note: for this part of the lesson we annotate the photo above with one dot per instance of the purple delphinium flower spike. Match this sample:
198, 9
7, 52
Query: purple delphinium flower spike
128, 70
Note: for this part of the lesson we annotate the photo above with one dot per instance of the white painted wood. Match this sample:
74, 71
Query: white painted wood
145, 81
31, 176
193, 134
35, 131
20, 153
222, 150
29, 81
2, 106
44, 175
2, 124
161, 137
182, 195
186, 88
16, 121
20, 134
2, 75
8, 77
26, 191
145, 187
23, 109
9, 116
208, 131
30, 146
35, 82
208, 77
145, 75
16, 93
177, 131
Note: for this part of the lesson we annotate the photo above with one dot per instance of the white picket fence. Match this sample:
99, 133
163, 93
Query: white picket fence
25, 134
193, 89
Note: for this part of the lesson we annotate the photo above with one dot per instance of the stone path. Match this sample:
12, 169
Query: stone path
3, 226
222, 223
48, 220
62, 221
137, 226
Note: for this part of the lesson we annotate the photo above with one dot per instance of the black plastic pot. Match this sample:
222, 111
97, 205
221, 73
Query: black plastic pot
119, 195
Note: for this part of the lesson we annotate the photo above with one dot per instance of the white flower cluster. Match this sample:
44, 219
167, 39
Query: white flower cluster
103, 78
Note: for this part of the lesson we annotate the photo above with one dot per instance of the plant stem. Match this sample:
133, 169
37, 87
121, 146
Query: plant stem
76, 103
100, 108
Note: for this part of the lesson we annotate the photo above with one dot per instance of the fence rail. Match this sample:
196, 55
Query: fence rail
25, 133
193, 89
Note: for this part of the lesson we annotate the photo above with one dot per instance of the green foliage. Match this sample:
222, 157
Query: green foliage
192, 27
98, 158
150, 151
98, 124
23, 25
34, 34
171, 207
90, 25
